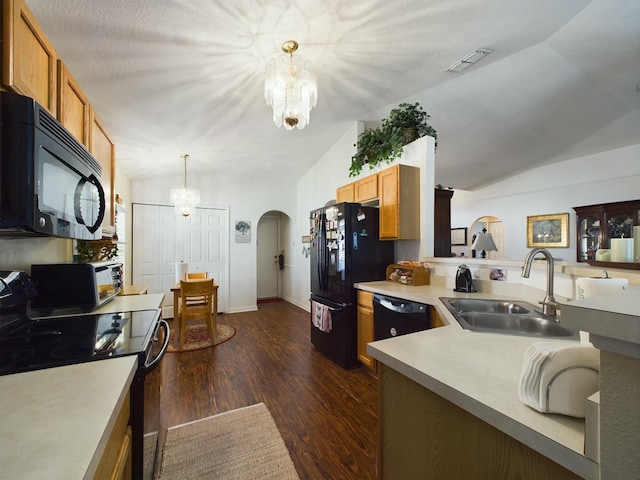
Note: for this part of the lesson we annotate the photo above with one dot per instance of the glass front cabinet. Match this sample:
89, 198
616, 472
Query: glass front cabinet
597, 225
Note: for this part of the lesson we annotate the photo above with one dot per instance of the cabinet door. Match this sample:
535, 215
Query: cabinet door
365, 328
28, 59
366, 189
345, 193
389, 208
399, 194
103, 150
73, 105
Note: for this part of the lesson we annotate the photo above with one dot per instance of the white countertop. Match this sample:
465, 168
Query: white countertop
126, 303
55, 423
479, 372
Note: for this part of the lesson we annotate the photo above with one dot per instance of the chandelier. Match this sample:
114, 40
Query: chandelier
185, 198
290, 88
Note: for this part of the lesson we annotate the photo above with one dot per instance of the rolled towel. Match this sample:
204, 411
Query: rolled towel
557, 377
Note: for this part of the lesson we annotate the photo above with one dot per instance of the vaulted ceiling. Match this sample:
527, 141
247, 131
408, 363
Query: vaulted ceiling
187, 76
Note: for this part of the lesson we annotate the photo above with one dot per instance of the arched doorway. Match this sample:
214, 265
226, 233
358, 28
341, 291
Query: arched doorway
271, 255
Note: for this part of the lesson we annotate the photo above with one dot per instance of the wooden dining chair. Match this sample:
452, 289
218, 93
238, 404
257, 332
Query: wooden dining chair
196, 275
196, 303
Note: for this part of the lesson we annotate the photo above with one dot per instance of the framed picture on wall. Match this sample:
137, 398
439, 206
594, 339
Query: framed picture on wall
459, 236
548, 231
243, 231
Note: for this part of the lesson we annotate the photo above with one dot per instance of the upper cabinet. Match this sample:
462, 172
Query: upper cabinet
73, 105
31, 67
28, 59
598, 225
103, 149
345, 193
366, 189
399, 194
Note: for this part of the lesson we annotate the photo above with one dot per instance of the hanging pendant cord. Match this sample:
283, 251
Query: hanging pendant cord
185, 170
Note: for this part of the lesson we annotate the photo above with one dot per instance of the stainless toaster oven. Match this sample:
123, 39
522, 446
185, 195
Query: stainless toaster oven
67, 288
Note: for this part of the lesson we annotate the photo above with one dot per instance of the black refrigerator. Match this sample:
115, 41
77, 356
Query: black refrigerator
345, 249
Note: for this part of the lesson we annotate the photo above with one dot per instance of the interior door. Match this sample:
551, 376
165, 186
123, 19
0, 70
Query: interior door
161, 239
268, 245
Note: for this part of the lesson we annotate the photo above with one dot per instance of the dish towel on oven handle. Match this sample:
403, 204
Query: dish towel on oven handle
321, 316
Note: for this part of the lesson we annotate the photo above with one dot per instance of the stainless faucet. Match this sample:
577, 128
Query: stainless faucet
549, 304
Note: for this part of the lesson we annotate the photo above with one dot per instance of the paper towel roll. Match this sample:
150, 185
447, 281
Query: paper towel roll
622, 250
589, 287
181, 271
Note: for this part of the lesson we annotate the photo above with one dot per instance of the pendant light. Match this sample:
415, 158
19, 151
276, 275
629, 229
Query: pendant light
290, 88
185, 198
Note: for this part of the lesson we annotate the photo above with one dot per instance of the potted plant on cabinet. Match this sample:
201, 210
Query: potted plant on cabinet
384, 144
375, 146
411, 121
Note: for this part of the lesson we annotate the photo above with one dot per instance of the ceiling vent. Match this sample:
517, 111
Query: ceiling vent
469, 60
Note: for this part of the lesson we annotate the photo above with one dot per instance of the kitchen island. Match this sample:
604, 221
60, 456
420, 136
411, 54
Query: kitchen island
63, 422
470, 380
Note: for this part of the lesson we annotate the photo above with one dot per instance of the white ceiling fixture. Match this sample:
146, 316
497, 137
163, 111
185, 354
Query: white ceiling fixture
290, 88
185, 198
469, 60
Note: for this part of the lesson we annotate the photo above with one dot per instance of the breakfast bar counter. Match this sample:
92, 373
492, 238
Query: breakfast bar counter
478, 373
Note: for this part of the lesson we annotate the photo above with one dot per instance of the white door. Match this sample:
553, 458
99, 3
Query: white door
268, 251
161, 239
498, 233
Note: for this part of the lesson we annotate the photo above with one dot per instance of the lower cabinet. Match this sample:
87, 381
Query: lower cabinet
116, 460
365, 328
423, 435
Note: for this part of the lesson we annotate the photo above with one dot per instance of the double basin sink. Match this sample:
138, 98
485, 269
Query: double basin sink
504, 316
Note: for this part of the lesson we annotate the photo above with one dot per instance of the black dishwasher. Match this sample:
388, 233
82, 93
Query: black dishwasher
395, 316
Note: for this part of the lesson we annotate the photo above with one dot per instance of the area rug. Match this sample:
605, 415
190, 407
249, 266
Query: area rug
240, 444
149, 448
197, 337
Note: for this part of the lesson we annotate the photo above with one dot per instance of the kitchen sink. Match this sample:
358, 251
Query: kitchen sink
481, 305
505, 316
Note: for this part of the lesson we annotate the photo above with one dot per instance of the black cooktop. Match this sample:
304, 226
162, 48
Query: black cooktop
28, 344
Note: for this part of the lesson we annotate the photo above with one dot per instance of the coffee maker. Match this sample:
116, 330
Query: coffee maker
464, 283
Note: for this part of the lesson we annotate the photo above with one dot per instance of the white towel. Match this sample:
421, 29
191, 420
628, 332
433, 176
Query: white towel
557, 377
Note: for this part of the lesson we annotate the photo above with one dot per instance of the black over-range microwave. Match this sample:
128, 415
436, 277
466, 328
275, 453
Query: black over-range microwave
49, 182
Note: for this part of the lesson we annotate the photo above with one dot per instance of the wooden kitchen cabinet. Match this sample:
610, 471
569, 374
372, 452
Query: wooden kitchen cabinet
423, 435
598, 224
73, 105
399, 194
346, 193
103, 149
29, 61
365, 328
366, 189
116, 461
442, 223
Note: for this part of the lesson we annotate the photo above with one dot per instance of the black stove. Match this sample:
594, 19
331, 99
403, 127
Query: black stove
28, 344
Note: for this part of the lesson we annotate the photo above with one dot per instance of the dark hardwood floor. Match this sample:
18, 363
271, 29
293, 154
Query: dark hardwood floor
326, 415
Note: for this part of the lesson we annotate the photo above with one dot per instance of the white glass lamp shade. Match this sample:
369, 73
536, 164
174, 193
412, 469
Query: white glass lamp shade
290, 88
185, 199
484, 242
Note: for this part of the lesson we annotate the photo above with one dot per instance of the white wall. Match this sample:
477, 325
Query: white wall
599, 178
246, 200
319, 184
